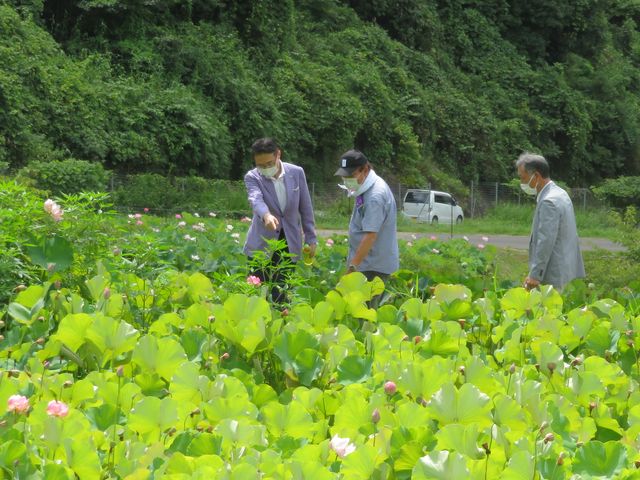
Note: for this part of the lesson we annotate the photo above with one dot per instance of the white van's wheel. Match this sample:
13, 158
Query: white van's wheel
434, 221
459, 219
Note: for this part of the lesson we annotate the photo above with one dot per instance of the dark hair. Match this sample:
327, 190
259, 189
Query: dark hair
264, 145
533, 163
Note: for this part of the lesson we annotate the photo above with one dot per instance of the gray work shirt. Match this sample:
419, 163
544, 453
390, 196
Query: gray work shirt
375, 212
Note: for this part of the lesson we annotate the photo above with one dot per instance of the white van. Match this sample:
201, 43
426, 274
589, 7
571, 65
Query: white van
431, 206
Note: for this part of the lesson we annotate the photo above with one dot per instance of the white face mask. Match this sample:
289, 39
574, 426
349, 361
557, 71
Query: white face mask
351, 183
527, 188
268, 172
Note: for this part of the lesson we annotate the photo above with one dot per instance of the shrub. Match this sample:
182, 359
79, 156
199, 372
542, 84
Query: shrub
67, 176
620, 192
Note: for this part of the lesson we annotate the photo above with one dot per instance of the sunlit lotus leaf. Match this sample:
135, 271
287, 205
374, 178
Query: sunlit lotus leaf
440, 465
444, 338
483, 377
423, 379
96, 286
602, 338
466, 405
519, 467
105, 415
460, 438
447, 294
548, 356
151, 416
54, 254
388, 314
354, 369
112, 337
199, 287
11, 451
233, 406
310, 398
308, 365
360, 464
54, 471
166, 323
600, 459
586, 385
241, 432
179, 464
243, 471
415, 309
338, 304
207, 467
356, 306
72, 330
159, 355
290, 345
509, 414
187, 384
242, 321
292, 420
263, 394
581, 320
352, 415
409, 454
357, 282
82, 457
197, 315
302, 470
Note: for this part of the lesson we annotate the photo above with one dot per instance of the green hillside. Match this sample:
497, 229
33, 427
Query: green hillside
442, 91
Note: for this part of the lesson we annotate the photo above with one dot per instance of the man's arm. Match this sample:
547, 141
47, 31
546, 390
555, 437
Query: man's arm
363, 250
547, 234
306, 212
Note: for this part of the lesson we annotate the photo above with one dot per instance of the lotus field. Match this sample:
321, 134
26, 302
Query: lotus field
139, 347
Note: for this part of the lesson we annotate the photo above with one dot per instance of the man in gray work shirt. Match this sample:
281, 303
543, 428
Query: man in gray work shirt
373, 242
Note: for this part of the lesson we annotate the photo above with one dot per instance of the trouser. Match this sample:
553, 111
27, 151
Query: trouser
370, 274
277, 272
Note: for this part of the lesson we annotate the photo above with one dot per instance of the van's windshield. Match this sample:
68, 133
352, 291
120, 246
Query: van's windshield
415, 196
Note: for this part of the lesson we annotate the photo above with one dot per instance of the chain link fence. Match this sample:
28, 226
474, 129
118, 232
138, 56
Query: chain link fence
172, 195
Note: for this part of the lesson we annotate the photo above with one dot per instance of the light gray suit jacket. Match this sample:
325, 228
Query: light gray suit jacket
296, 219
554, 251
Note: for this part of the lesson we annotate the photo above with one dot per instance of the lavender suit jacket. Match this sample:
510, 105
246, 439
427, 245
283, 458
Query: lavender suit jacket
296, 219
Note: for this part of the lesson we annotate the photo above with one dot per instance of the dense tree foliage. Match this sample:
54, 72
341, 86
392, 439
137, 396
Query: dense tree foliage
442, 91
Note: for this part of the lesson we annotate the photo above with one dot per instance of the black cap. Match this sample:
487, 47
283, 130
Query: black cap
350, 161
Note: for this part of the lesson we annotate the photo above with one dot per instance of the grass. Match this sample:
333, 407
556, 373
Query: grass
508, 219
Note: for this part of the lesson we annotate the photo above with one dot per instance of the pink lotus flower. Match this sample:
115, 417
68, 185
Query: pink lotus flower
18, 404
178, 215
481, 246
57, 409
145, 210
433, 237
342, 446
53, 209
139, 222
137, 215
329, 243
253, 280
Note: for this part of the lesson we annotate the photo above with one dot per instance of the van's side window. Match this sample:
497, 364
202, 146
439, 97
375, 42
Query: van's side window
416, 197
442, 199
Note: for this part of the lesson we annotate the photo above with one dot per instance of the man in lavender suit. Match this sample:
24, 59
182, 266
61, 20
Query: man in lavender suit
279, 197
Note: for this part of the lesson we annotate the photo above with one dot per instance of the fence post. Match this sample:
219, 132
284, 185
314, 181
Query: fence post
584, 199
497, 187
399, 205
471, 200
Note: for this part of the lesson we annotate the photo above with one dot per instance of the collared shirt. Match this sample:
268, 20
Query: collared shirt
281, 190
375, 211
543, 189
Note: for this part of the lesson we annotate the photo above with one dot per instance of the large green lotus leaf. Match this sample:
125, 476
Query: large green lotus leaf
289, 346
166, 323
424, 378
152, 416
356, 306
205, 444
520, 467
131, 458
244, 471
483, 377
581, 320
234, 406
460, 438
512, 350
338, 304
308, 365
516, 302
32, 296
292, 420
82, 456
96, 286
412, 417
608, 308
456, 309
409, 454
11, 451
360, 464
263, 394
240, 432
354, 369
197, 315
195, 341
340, 336
444, 338
548, 355
179, 464
105, 415
351, 416
159, 355
112, 337
53, 254
53, 471
610, 374
187, 384
387, 314
199, 287
355, 282
466, 405
72, 330
304, 470
509, 414
242, 321
207, 467
602, 338
310, 398
323, 315
440, 465
587, 386
447, 294
600, 459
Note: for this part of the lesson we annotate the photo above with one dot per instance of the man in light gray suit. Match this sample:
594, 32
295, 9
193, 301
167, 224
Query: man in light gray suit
554, 250
281, 204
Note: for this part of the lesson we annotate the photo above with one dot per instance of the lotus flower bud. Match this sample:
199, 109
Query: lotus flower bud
390, 388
